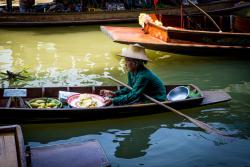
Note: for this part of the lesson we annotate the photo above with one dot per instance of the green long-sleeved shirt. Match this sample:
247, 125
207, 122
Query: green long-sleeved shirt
142, 81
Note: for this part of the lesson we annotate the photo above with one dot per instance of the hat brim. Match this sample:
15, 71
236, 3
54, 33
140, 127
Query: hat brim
121, 55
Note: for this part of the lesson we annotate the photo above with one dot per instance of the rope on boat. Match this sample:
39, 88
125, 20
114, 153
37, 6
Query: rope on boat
210, 18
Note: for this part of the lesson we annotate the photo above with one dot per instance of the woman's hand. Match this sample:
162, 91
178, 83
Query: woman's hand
108, 102
107, 93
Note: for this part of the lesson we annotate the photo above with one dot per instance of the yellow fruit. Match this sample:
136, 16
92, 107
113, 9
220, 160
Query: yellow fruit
34, 105
51, 104
39, 101
42, 105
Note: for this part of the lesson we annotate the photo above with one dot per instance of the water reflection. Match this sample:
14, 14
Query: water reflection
6, 59
144, 140
70, 77
67, 52
135, 143
50, 69
47, 46
243, 88
139, 128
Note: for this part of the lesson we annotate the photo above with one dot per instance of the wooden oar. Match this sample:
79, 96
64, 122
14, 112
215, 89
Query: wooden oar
198, 123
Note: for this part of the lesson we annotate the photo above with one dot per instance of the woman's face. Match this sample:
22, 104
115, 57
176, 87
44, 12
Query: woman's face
130, 65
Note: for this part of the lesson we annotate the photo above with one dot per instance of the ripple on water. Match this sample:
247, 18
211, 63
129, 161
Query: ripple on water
70, 77
48, 46
6, 59
243, 88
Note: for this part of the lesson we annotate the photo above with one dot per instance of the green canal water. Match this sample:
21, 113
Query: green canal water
82, 55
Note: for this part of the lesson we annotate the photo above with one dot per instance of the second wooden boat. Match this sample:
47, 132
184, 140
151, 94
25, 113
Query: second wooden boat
198, 36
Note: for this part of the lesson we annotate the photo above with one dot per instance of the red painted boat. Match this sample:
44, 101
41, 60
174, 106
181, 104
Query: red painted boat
197, 36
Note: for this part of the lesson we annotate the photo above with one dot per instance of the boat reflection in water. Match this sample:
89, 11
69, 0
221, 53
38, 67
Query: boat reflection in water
143, 141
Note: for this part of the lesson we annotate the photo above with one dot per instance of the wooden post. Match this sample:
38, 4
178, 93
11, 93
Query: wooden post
9, 5
221, 22
188, 23
231, 23
205, 23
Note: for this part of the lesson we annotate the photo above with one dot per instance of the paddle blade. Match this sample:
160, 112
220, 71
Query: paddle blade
207, 127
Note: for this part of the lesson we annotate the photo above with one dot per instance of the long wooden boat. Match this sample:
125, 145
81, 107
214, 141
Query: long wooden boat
43, 115
47, 19
15, 154
198, 36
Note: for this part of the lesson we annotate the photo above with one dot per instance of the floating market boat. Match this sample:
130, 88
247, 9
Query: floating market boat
23, 113
74, 18
188, 34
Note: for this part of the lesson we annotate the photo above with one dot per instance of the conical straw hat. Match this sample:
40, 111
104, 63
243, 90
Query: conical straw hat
134, 51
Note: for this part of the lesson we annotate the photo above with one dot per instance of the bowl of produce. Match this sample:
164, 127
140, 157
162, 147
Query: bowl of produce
45, 103
85, 100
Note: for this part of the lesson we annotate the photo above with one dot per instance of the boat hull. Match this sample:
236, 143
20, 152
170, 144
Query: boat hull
27, 115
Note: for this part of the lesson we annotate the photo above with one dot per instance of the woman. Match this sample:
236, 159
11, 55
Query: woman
140, 79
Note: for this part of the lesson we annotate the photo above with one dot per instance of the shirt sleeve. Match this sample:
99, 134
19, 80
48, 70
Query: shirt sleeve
124, 90
134, 94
